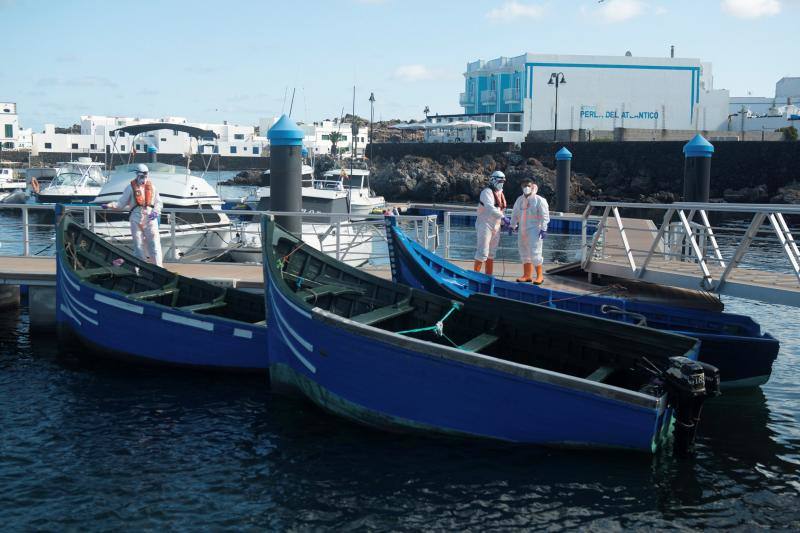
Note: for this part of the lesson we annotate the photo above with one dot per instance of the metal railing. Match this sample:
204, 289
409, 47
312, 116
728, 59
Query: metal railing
453, 231
195, 235
686, 235
488, 97
511, 95
464, 99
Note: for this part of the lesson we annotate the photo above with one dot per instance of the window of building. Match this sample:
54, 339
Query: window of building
255, 150
48, 146
493, 84
501, 117
244, 148
233, 149
9, 130
138, 147
74, 146
92, 147
163, 139
216, 149
121, 147
238, 136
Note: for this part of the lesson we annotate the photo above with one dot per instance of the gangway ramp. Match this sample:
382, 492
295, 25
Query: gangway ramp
683, 248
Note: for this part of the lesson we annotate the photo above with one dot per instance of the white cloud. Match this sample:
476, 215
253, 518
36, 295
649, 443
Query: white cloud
416, 73
750, 9
620, 10
513, 10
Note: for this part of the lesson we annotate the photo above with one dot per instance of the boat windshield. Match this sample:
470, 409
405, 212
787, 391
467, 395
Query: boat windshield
76, 179
161, 168
339, 181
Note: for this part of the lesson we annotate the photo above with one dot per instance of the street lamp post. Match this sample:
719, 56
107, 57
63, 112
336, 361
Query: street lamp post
371, 120
556, 78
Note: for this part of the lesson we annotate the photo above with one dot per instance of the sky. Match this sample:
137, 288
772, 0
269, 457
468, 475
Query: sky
237, 60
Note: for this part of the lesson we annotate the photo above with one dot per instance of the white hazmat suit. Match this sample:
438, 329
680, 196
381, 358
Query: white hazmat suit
144, 225
487, 224
532, 214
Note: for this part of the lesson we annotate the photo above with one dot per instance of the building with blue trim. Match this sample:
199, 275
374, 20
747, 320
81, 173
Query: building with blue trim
601, 93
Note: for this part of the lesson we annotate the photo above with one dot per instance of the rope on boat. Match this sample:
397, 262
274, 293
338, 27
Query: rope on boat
282, 260
438, 327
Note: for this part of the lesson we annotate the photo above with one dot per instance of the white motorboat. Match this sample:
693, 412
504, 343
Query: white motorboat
199, 231
354, 242
356, 183
76, 182
12, 188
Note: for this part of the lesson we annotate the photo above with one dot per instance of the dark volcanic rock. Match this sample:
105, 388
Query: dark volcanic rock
790, 194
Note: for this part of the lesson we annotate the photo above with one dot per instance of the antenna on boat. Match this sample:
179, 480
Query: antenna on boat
291, 105
353, 144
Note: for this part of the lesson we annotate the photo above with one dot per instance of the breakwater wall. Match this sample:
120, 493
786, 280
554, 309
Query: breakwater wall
198, 162
642, 167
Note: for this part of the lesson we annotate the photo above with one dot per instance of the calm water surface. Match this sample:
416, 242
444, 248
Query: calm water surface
99, 447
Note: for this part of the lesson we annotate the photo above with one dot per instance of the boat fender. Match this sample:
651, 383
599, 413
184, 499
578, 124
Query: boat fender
688, 384
35, 185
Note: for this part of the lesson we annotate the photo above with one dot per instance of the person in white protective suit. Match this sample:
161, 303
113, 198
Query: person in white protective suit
531, 214
141, 198
491, 215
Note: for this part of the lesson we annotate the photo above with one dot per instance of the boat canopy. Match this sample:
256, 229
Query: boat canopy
136, 129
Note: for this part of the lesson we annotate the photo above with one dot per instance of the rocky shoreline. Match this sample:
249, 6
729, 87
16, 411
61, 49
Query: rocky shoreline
448, 179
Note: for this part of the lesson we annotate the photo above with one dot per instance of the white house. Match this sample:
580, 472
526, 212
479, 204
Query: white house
12, 136
318, 137
760, 113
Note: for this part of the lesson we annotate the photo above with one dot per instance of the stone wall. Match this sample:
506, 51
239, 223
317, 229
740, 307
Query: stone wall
634, 167
435, 150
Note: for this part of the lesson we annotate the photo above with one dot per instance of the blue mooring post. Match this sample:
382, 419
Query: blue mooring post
563, 171
286, 143
697, 170
153, 151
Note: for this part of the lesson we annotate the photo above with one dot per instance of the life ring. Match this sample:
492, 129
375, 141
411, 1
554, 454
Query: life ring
35, 185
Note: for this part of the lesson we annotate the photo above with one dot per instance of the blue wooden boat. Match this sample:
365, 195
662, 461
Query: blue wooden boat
121, 307
733, 343
398, 358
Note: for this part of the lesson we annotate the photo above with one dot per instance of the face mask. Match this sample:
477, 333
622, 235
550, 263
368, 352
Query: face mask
527, 190
499, 186
140, 180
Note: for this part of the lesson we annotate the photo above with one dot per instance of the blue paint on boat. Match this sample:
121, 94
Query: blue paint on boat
116, 326
381, 378
733, 343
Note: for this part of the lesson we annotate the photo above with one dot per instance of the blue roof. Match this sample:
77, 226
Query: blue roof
698, 147
563, 154
285, 133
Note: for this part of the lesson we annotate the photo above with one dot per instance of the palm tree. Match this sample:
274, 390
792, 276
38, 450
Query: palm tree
335, 138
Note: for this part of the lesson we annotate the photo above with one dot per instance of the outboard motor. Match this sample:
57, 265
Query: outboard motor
688, 383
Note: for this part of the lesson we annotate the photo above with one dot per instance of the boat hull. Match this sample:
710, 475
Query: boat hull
742, 360
118, 327
358, 372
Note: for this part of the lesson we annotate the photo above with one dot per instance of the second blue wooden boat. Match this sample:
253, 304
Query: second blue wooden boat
394, 357
733, 343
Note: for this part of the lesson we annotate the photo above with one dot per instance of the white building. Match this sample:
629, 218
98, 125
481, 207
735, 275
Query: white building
12, 136
759, 113
95, 138
318, 137
600, 93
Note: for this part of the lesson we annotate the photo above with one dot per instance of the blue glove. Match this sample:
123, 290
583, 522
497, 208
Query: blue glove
542, 234
153, 215
506, 221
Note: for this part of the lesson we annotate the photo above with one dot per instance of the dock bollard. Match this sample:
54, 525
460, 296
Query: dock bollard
563, 171
697, 169
286, 144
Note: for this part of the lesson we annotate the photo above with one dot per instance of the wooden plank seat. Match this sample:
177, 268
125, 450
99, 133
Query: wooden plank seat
260, 323
383, 313
203, 306
328, 290
484, 340
117, 272
155, 293
601, 374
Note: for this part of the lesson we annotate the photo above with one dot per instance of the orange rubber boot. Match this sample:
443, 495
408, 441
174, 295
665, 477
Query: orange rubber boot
489, 267
527, 273
539, 277
477, 266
